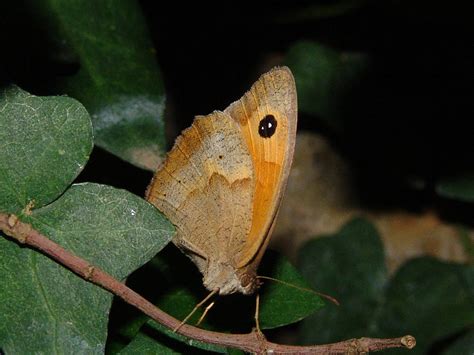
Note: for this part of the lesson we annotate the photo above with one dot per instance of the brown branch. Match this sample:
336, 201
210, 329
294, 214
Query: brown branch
253, 342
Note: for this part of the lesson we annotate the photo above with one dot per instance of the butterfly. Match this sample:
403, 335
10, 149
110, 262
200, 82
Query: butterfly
222, 183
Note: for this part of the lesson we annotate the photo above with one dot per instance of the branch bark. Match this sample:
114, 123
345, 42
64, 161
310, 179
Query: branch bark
253, 342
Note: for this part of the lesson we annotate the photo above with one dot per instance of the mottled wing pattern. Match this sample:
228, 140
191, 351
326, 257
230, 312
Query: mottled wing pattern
205, 187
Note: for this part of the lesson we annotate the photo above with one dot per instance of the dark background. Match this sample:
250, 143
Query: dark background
409, 119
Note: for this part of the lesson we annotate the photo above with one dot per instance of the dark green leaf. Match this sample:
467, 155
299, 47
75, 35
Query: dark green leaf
429, 300
462, 346
154, 333
459, 188
45, 143
119, 81
282, 304
325, 79
232, 351
349, 266
47, 308
467, 242
467, 279
144, 344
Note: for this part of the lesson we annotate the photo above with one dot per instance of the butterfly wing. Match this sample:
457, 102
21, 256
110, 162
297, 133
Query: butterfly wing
267, 116
222, 183
205, 187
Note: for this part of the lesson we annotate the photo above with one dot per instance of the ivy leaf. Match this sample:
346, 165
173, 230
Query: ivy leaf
45, 143
462, 346
349, 266
46, 308
325, 80
118, 81
459, 188
43, 306
113, 219
427, 298
283, 304
153, 337
143, 344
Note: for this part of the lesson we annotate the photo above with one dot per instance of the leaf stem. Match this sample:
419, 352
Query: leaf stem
252, 342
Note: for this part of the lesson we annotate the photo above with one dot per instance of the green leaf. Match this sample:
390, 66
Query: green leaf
428, 299
154, 336
325, 80
282, 304
349, 266
45, 143
144, 344
118, 81
459, 188
462, 346
47, 308
467, 279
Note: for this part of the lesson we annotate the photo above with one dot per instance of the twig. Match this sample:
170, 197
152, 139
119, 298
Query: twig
252, 342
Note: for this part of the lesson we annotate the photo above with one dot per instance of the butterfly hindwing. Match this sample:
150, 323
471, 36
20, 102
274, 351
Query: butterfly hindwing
205, 187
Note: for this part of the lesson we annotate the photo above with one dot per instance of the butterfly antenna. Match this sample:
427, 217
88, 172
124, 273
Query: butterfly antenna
323, 295
196, 308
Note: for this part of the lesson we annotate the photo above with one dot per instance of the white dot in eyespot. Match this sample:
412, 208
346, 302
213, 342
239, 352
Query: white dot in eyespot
267, 126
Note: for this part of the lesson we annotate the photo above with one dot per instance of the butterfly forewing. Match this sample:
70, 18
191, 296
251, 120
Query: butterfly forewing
267, 116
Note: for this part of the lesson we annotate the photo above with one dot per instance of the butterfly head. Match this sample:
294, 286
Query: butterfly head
230, 280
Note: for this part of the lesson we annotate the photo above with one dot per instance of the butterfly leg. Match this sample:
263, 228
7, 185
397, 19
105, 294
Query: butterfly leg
196, 308
205, 313
257, 311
